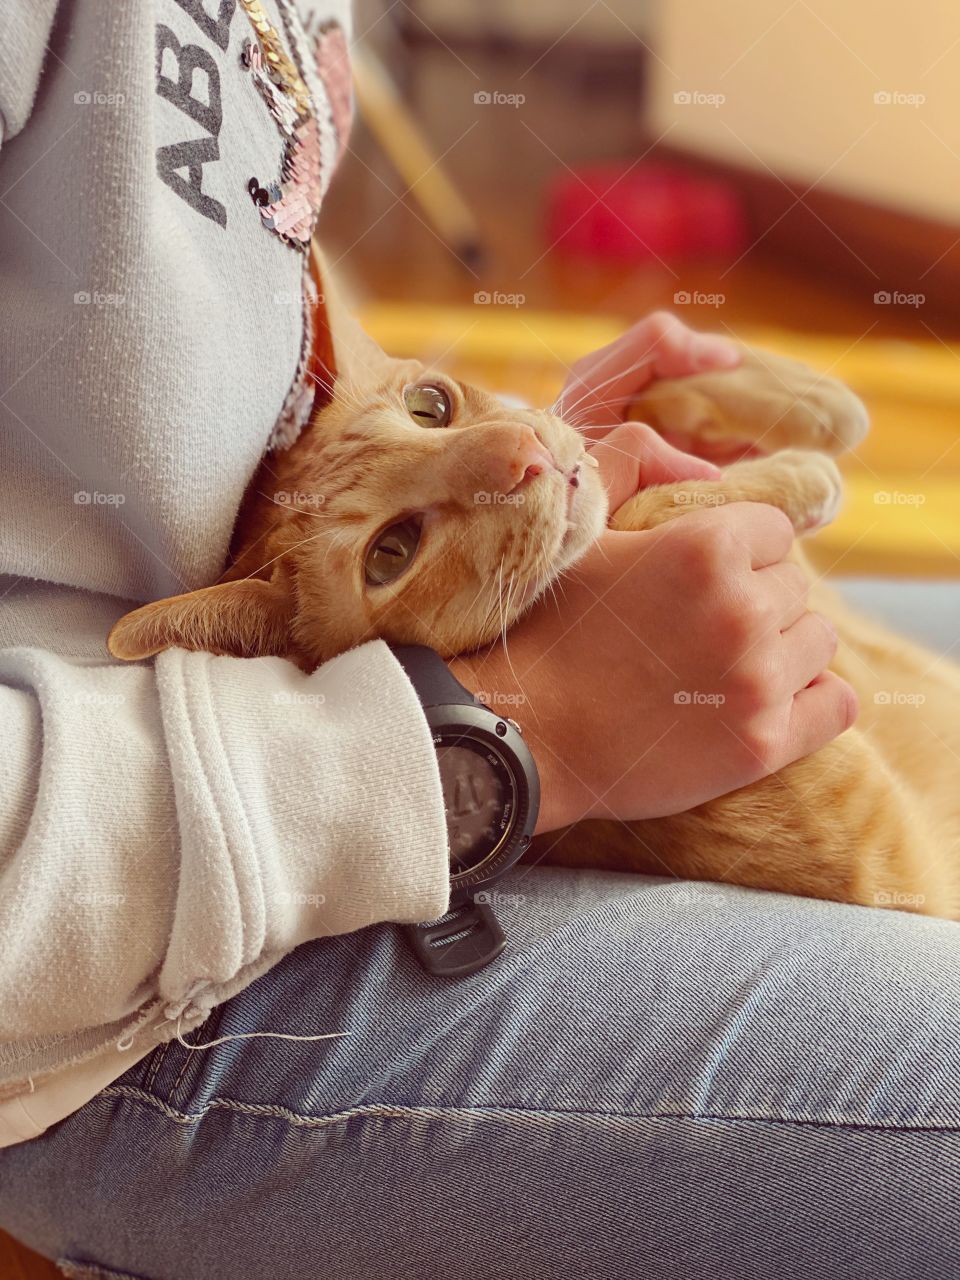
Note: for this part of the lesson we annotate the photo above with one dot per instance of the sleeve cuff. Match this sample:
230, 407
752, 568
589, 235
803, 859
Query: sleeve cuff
310, 805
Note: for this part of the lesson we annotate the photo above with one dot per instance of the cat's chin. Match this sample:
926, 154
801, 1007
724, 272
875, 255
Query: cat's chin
588, 519
575, 543
580, 535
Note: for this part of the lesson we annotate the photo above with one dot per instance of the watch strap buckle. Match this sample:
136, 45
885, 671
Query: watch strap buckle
460, 942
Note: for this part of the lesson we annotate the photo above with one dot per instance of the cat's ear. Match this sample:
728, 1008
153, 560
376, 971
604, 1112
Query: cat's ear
248, 618
348, 351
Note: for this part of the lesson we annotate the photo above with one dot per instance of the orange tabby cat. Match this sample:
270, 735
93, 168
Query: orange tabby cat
424, 511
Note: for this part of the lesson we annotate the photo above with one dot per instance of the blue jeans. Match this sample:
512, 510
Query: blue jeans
659, 1081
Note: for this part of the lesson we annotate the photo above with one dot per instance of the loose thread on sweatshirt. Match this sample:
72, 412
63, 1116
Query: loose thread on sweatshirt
127, 1042
254, 1035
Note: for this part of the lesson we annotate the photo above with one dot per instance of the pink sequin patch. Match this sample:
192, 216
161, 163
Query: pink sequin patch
292, 215
315, 137
333, 66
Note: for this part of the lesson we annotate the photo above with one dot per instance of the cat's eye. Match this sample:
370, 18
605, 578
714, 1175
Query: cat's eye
428, 403
392, 551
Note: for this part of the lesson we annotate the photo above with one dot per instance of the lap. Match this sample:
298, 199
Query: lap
661, 1079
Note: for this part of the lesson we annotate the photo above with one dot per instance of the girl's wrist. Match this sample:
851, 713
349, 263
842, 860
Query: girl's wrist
491, 678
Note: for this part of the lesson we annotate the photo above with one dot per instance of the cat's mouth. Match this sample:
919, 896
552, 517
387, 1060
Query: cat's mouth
572, 510
573, 486
585, 512
570, 497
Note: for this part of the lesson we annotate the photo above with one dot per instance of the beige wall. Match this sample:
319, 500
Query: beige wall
617, 22
798, 82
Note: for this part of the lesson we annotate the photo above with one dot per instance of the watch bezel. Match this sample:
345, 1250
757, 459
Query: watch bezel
458, 720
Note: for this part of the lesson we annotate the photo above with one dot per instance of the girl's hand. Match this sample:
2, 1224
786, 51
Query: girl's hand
676, 665
602, 385
632, 457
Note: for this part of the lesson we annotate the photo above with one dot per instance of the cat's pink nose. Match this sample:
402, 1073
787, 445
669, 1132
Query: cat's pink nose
513, 456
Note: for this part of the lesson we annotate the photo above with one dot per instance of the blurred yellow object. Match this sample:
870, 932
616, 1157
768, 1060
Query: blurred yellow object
388, 117
902, 513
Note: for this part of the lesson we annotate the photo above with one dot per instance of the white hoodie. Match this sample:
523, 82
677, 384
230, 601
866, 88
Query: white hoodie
169, 830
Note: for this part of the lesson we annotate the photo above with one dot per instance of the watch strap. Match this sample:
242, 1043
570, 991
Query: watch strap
459, 943
469, 936
431, 677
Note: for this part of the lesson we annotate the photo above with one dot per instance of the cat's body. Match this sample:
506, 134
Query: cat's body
422, 511
873, 817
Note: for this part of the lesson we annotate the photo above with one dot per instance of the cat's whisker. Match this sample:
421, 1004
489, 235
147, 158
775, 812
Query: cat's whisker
337, 540
484, 586
345, 391
254, 573
513, 586
505, 600
579, 422
613, 400
489, 617
322, 383
642, 362
357, 393
300, 510
495, 607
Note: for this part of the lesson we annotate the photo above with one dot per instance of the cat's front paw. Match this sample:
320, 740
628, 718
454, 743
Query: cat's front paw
811, 488
769, 403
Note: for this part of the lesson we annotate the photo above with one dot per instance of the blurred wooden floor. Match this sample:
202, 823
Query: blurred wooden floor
902, 510
902, 514
18, 1263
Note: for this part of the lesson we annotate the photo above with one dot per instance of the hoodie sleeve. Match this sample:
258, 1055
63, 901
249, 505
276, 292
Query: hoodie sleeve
169, 829
25, 45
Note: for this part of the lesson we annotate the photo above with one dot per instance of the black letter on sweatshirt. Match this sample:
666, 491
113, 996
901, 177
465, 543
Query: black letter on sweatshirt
218, 29
190, 58
191, 156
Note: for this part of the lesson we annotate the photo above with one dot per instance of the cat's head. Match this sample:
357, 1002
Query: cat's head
414, 508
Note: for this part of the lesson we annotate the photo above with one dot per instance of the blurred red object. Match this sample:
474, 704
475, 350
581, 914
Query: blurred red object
653, 211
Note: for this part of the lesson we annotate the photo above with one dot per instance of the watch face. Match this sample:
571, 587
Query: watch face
479, 799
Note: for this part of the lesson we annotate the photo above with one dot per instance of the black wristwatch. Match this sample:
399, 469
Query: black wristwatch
491, 797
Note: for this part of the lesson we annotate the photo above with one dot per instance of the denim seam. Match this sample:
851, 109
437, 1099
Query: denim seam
158, 1056
176, 1083
76, 1270
400, 1112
